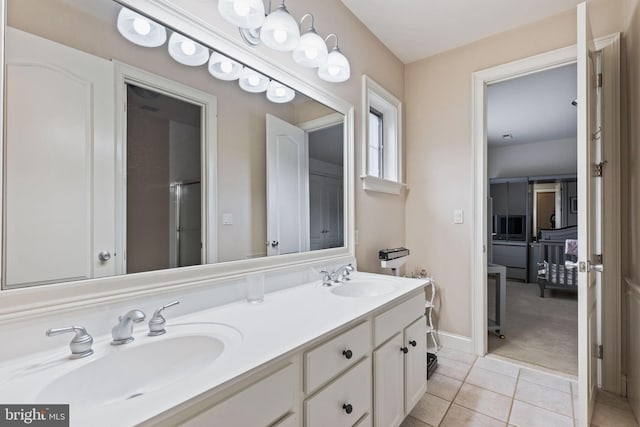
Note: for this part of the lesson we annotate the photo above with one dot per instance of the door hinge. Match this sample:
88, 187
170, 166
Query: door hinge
600, 352
597, 169
599, 80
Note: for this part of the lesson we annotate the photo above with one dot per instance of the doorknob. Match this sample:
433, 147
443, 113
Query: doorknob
595, 267
275, 244
104, 256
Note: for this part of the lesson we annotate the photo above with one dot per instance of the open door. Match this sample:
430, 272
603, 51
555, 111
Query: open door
287, 188
589, 216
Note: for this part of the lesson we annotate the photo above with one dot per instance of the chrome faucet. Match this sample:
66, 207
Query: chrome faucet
123, 331
342, 274
80, 344
157, 322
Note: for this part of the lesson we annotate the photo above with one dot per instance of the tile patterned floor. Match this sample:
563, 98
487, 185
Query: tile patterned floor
485, 392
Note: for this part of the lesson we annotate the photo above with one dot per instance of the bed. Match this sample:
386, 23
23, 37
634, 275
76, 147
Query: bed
555, 247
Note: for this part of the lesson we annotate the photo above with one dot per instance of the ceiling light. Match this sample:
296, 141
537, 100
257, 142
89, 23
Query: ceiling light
279, 93
242, 13
311, 51
252, 81
186, 51
224, 68
140, 30
279, 30
336, 68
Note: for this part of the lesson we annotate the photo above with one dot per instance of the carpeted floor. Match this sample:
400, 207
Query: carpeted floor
540, 331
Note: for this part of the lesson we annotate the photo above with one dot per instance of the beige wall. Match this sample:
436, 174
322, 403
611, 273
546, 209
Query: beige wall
631, 195
440, 154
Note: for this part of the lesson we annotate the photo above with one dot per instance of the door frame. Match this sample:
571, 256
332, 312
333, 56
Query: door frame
612, 371
126, 74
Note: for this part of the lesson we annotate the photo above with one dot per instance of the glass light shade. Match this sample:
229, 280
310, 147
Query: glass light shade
186, 51
252, 81
224, 68
280, 31
336, 69
242, 13
311, 50
140, 30
279, 93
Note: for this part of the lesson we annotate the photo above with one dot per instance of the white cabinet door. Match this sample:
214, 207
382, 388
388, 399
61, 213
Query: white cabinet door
60, 148
388, 383
334, 218
415, 363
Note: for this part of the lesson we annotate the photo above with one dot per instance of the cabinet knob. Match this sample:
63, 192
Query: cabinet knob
405, 350
413, 343
347, 353
347, 408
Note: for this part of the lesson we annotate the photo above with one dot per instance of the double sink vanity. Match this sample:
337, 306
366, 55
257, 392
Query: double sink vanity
353, 353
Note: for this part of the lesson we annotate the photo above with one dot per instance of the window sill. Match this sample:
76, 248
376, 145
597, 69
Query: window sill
372, 183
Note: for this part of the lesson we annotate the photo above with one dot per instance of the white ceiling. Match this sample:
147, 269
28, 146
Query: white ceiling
416, 29
533, 108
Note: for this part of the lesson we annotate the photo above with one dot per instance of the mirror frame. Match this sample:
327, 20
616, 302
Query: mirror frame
32, 301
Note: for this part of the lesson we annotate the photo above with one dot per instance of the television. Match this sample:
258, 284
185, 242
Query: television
510, 227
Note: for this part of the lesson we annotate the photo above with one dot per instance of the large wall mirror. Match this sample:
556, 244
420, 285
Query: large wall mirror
122, 158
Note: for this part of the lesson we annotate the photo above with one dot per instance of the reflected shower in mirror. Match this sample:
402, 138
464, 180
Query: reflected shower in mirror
125, 156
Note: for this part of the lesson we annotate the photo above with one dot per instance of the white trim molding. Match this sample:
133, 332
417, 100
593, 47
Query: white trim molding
557, 58
373, 183
456, 342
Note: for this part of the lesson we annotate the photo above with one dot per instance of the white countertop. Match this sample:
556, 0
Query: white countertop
284, 322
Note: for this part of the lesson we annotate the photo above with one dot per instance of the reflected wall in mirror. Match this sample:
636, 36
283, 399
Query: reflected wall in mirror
119, 159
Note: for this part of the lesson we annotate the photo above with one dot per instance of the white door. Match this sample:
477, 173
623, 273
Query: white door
287, 188
317, 212
388, 386
589, 216
59, 146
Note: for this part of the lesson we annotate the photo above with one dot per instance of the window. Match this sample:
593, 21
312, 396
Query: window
382, 141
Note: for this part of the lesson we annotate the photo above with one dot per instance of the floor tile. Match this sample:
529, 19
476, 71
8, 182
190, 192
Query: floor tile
493, 381
430, 409
498, 366
606, 415
484, 401
544, 397
443, 386
525, 415
546, 380
460, 356
413, 422
463, 417
453, 368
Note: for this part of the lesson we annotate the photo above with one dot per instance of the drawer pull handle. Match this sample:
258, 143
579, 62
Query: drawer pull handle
347, 408
347, 353
405, 350
413, 343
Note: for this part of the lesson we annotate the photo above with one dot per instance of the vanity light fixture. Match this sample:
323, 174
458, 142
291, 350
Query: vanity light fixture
242, 13
186, 51
311, 51
252, 81
279, 93
336, 68
140, 30
224, 68
279, 30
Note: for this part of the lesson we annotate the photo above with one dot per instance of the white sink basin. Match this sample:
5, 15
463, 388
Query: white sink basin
357, 288
142, 367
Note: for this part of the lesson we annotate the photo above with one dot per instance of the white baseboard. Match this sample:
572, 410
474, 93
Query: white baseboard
454, 342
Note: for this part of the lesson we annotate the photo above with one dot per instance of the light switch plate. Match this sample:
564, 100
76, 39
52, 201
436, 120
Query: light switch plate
227, 219
458, 216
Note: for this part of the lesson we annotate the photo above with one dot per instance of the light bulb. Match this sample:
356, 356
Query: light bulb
280, 91
311, 53
333, 70
141, 26
188, 47
280, 36
241, 7
226, 66
254, 80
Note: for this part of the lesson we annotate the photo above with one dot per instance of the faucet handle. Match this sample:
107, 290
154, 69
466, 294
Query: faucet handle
327, 278
157, 322
80, 344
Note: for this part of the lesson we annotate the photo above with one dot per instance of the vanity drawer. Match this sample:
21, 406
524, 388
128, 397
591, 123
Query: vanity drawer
290, 420
259, 405
328, 359
329, 407
365, 421
394, 320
